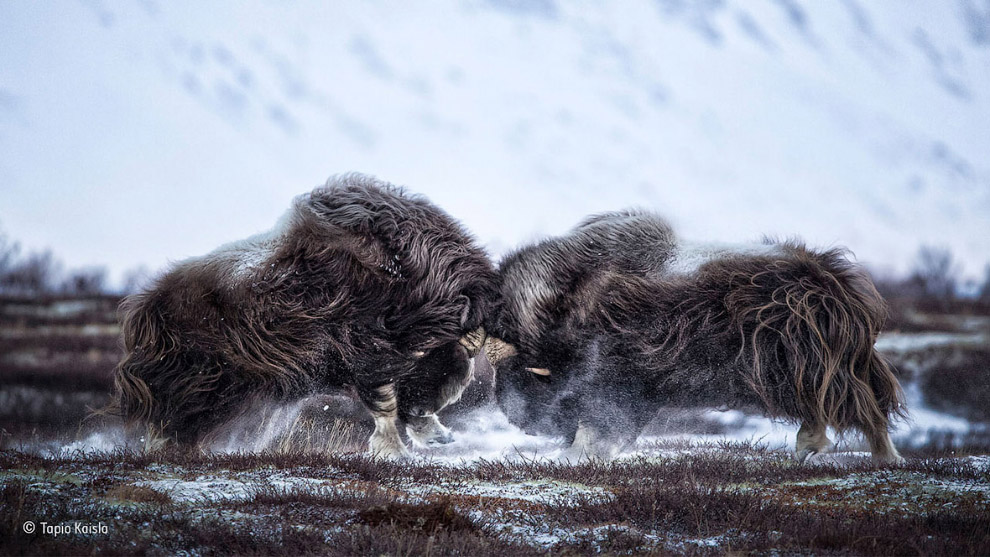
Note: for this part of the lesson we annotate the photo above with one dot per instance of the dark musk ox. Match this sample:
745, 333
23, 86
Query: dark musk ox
360, 284
600, 327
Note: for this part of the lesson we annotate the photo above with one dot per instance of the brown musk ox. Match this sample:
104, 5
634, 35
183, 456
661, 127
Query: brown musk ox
360, 284
597, 329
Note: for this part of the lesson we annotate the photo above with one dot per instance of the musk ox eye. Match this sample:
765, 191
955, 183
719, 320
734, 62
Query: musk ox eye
539, 371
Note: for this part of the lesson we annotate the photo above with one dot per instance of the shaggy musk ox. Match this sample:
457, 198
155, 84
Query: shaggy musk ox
360, 284
598, 328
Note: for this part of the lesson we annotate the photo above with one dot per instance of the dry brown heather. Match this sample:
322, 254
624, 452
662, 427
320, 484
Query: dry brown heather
685, 500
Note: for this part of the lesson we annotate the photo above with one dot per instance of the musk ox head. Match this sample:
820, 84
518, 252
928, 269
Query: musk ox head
534, 399
547, 286
549, 292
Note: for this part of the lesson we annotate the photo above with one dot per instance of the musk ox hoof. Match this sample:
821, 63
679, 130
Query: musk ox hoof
427, 430
808, 456
890, 459
445, 439
388, 452
589, 444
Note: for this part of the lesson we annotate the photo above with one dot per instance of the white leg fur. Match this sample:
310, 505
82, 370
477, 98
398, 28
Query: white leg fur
811, 440
385, 441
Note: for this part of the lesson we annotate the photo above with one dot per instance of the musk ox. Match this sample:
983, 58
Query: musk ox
598, 328
360, 284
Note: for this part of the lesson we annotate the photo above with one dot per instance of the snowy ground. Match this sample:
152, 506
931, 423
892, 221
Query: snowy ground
666, 496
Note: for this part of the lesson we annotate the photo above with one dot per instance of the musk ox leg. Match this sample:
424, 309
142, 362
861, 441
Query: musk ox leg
589, 443
385, 441
594, 440
460, 375
608, 423
882, 447
812, 439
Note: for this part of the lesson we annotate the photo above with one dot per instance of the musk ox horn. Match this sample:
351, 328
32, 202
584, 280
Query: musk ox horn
474, 341
497, 350
539, 371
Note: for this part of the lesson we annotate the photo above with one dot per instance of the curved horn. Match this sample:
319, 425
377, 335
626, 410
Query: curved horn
497, 350
474, 341
539, 371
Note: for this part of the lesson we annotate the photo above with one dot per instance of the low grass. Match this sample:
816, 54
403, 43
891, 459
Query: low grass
737, 497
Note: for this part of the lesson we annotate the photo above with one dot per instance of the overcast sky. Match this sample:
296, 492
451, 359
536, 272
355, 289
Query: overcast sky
143, 132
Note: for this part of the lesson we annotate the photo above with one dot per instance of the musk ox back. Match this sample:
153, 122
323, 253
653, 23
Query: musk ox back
778, 326
359, 284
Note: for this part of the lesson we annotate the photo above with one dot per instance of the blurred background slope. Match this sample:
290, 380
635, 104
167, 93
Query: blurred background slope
137, 133
142, 132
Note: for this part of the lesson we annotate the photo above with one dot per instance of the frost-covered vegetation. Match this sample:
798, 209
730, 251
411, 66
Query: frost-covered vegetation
680, 498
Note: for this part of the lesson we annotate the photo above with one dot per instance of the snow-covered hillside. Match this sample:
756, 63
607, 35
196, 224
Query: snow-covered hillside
141, 132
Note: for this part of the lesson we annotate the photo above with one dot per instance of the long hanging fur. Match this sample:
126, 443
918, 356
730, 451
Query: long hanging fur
353, 287
799, 327
825, 316
780, 327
